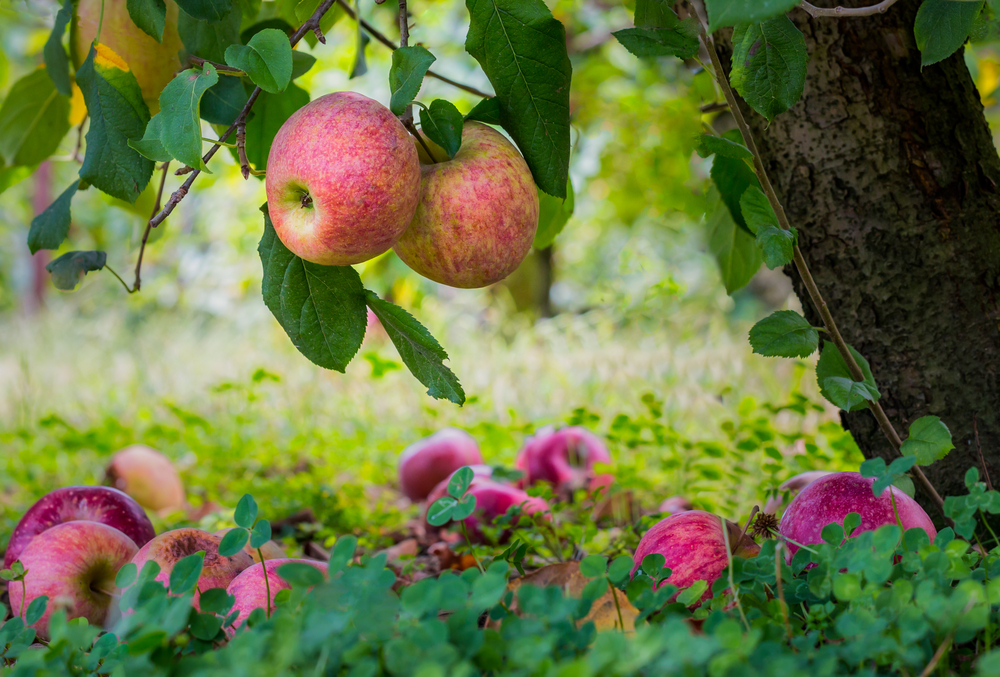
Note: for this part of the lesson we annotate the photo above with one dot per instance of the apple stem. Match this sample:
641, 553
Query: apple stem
413, 130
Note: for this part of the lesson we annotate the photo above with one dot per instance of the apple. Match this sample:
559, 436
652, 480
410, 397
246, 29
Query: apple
425, 463
153, 63
478, 212
343, 180
147, 476
793, 485
250, 590
563, 458
271, 550
74, 564
694, 546
493, 499
172, 546
829, 499
96, 504
675, 504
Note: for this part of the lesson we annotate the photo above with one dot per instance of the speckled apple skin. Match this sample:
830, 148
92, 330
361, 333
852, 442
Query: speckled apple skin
545, 457
250, 591
425, 463
478, 213
96, 504
829, 499
357, 163
172, 546
64, 562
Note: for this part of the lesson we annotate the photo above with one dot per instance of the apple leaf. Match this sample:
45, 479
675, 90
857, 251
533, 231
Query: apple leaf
150, 146
180, 117
487, 110
659, 32
784, 333
233, 541
777, 245
722, 147
300, 574
33, 120
117, 114
50, 228
302, 63
149, 15
831, 364
223, 101
553, 215
246, 511
321, 308
206, 10
942, 26
69, 269
929, 440
522, 49
266, 59
732, 177
56, 61
421, 352
269, 113
261, 534
769, 64
734, 249
849, 394
442, 123
209, 39
186, 572
409, 66
731, 12
756, 209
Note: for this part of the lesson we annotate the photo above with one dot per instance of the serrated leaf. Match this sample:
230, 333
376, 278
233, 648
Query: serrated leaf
831, 364
33, 120
776, 245
487, 111
150, 146
118, 114
735, 251
409, 66
654, 13
321, 308
50, 228
209, 39
180, 116
68, 270
421, 352
731, 12
266, 59
149, 15
186, 572
246, 511
929, 440
942, 27
723, 147
224, 101
553, 215
56, 61
681, 42
261, 534
769, 65
784, 333
233, 541
206, 10
269, 113
442, 124
522, 50
849, 394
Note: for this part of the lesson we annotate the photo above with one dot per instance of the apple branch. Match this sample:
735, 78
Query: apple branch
871, 10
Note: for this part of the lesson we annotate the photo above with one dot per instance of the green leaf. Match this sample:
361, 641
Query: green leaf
50, 228
553, 215
593, 566
756, 209
35, 610
784, 333
409, 66
33, 120
692, 594
149, 15
343, 552
929, 440
594, 589
655, 13
359, 65
300, 574
723, 147
117, 114
831, 364
942, 27
261, 534
681, 42
769, 65
487, 111
460, 481
68, 270
421, 352
180, 116
224, 101
233, 541
442, 124
186, 572
620, 569
734, 250
776, 245
732, 177
522, 49
731, 12
206, 10
465, 507
875, 467
302, 63
216, 601
321, 308
440, 511
848, 394
150, 146
209, 40
267, 60
269, 113
246, 512
56, 61
126, 575
205, 626
305, 8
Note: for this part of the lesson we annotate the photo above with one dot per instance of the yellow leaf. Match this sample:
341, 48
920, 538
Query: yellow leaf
105, 56
77, 107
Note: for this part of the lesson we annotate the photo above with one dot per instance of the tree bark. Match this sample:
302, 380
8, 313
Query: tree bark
890, 173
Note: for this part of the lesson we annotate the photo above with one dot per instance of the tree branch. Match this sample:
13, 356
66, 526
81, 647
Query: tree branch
816, 12
149, 226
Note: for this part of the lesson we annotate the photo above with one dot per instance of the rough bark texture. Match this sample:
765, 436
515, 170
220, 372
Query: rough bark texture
891, 176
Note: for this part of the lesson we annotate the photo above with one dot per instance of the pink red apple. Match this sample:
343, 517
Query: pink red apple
271, 550
494, 499
172, 546
74, 564
478, 212
793, 485
830, 499
563, 458
147, 476
250, 590
694, 546
343, 180
675, 504
425, 463
96, 504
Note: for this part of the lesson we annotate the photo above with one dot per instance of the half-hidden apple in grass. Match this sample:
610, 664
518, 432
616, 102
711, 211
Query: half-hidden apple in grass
343, 180
478, 212
74, 564
147, 476
96, 504
250, 589
425, 463
563, 458
793, 485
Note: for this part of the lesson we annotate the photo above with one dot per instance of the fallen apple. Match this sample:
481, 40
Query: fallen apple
675, 504
343, 180
96, 504
74, 564
270, 549
563, 458
250, 590
147, 476
792, 486
425, 463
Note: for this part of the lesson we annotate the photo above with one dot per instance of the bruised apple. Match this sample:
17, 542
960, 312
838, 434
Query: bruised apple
423, 464
147, 476
563, 458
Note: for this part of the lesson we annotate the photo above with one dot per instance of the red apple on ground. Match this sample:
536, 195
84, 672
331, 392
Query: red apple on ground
271, 550
563, 458
478, 212
74, 564
147, 476
172, 546
96, 504
694, 547
675, 504
793, 485
830, 499
425, 463
250, 590
493, 500
343, 180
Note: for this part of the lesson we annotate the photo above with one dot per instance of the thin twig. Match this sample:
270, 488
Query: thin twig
986, 472
79, 140
753, 513
412, 128
149, 226
404, 40
198, 61
241, 148
815, 11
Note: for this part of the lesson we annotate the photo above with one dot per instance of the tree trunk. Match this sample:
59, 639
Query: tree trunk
890, 174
